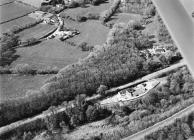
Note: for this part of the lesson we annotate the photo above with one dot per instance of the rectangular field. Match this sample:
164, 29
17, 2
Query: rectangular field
13, 10
13, 86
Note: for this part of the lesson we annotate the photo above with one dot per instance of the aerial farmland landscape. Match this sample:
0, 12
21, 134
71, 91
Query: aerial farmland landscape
96, 70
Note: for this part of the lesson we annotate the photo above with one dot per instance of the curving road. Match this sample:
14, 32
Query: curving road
140, 135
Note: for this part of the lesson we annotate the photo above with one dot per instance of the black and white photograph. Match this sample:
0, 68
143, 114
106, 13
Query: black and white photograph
96, 69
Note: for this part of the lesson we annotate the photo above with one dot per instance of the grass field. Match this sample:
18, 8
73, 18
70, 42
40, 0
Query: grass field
13, 86
92, 32
18, 22
13, 10
2, 2
49, 53
36, 31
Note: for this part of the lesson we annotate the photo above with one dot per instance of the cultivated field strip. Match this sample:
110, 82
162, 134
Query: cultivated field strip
6, 2
13, 11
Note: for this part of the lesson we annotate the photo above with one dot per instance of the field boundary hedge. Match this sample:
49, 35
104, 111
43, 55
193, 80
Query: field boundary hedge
7, 3
16, 17
21, 15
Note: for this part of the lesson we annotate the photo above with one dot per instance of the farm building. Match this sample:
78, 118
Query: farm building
137, 91
132, 93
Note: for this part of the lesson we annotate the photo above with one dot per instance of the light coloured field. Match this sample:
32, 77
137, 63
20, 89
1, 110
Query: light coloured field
92, 32
13, 86
49, 53
36, 3
13, 10
2, 2
18, 22
124, 17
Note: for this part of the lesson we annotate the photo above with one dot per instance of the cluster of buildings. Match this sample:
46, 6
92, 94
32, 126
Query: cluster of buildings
139, 90
52, 19
63, 35
132, 93
158, 50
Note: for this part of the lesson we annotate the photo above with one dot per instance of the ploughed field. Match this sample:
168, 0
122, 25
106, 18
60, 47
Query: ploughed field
15, 86
14, 10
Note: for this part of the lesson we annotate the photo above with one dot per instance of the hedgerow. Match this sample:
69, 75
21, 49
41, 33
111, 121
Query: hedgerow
106, 15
